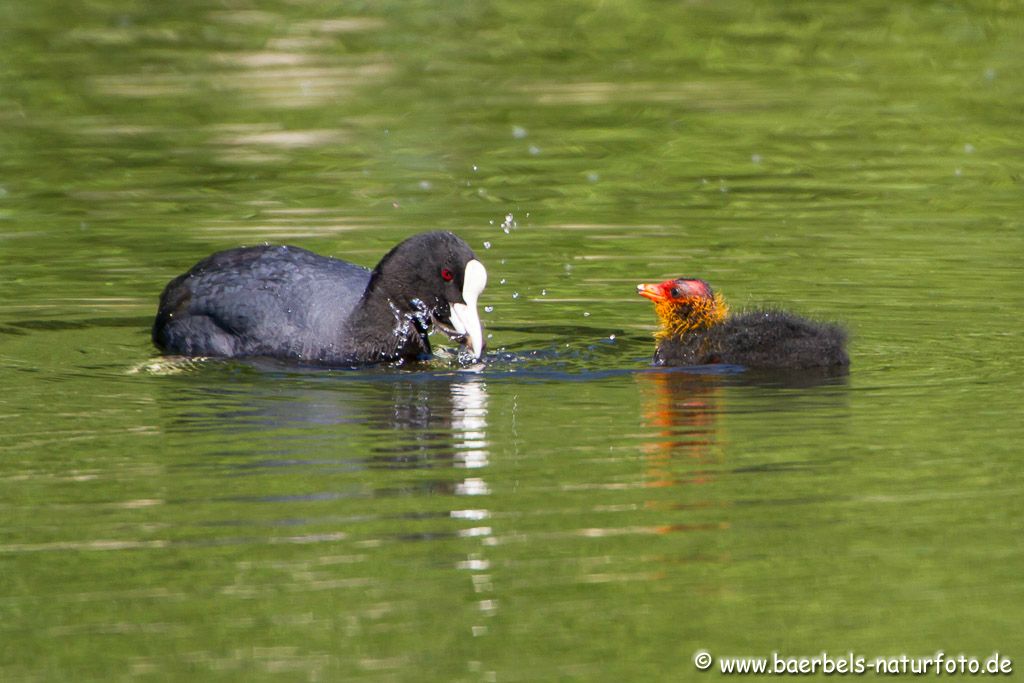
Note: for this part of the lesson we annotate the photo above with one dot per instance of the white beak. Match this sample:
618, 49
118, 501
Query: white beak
465, 318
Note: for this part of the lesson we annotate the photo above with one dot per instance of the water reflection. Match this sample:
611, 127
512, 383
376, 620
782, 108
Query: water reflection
369, 436
404, 421
294, 439
687, 448
682, 409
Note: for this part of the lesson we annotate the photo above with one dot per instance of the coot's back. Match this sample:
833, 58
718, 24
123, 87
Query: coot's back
268, 300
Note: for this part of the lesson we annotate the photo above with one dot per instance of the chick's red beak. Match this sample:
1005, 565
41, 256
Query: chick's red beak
656, 293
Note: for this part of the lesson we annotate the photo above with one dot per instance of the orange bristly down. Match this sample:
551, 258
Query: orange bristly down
679, 319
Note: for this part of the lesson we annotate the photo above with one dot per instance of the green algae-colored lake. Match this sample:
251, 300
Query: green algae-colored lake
565, 512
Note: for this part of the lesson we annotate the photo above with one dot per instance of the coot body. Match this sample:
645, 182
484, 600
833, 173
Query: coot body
289, 303
696, 329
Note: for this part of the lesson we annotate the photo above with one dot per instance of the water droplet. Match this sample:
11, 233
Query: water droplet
487, 245
586, 314
488, 309
543, 292
518, 132
426, 185
611, 337
593, 177
509, 223
475, 168
502, 281
515, 295
968, 148
756, 158
534, 150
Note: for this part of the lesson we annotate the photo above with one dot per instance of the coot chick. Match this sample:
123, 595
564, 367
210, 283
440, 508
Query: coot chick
289, 303
696, 329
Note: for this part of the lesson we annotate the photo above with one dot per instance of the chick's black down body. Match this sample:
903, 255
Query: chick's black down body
765, 339
289, 303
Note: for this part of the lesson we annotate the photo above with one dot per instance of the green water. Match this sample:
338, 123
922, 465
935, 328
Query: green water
566, 512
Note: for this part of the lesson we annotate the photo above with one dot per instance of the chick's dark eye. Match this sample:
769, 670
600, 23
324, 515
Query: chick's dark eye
447, 275
674, 292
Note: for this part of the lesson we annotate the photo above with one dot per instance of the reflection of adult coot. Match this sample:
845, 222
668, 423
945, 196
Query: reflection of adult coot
336, 423
286, 302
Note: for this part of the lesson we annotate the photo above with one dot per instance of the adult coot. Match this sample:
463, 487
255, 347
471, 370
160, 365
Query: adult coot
286, 302
696, 329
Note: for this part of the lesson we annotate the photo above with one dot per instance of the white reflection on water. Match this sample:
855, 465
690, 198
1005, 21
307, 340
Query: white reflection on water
469, 424
470, 446
469, 432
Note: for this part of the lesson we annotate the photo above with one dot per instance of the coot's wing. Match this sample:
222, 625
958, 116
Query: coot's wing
260, 301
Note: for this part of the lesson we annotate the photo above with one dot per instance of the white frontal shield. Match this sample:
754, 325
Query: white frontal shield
465, 318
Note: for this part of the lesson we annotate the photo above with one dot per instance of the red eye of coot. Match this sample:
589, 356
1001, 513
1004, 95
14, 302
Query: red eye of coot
447, 275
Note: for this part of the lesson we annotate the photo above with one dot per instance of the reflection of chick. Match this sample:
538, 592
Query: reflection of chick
697, 330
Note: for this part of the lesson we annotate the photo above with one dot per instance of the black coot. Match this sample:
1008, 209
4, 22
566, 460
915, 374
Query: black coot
696, 329
286, 302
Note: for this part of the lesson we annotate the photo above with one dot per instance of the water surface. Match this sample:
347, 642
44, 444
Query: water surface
564, 511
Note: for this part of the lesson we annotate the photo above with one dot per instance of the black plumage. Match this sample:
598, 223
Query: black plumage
759, 339
286, 302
